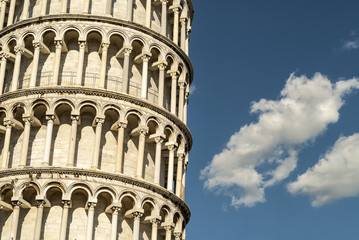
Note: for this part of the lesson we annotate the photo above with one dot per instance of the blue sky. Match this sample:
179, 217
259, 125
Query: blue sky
266, 77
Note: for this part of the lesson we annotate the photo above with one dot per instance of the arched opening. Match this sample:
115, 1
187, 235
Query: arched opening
168, 82
27, 62
27, 215
51, 220
125, 228
115, 68
135, 73
92, 61
131, 145
153, 75
46, 60
150, 149
77, 221
16, 137
69, 58
6, 212
102, 219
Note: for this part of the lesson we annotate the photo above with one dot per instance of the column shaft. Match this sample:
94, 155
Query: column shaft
25, 142
16, 73
5, 151
72, 146
175, 25
3, 72
185, 108
64, 217
38, 222
64, 6
144, 91
96, 150
141, 152
90, 218
169, 233
80, 67
2, 13
126, 66
25, 10
164, 17
171, 159
50, 125
114, 223
35, 64
119, 153
15, 220
129, 10
10, 18
136, 225
86, 6
183, 33
103, 64
56, 70
154, 232
43, 7
174, 93
148, 13
161, 83
159, 142
179, 174
181, 99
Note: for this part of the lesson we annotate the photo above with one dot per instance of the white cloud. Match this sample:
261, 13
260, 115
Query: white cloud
264, 153
192, 89
349, 45
335, 176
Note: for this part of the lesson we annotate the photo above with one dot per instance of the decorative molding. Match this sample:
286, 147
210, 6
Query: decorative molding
186, 213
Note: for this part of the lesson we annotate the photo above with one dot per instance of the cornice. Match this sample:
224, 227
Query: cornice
101, 93
104, 19
109, 176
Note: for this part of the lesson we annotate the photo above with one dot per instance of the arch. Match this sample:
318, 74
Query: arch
157, 47
17, 105
39, 102
19, 190
111, 107
46, 29
85, 103
26, 34
106, 189
82, 186
92, 29
140, 39
12, 38
130, 194
165, 213
136, 112
67, 101
71, 28
114, 32
54, 184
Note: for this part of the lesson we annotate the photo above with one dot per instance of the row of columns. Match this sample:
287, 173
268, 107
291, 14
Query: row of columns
125, 53
141, 132
135, 214
178, 22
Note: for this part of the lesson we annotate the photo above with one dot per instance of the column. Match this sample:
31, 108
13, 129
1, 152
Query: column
35, 64
126, 68
182, 85
10, 18
25, 141
155, 222
4, 57
169, 229
64, 6
56, 70
80, 67
108, 7
50, 125
43, 7
129, 10
141, 151
64, 217
164, 17
119, 154
148, 13
171, 159
96, 150
25, 10
177, 235
86, 6
145, 60
176, 11
159, 141
38, 222
2, 13
15, 219
187, 41
174, 76
183, 33
15, 78
114, 223
90, 218
180, 158
72, 146
103, 64
184, 177
161, 83
136, 225
185, 107
5, 152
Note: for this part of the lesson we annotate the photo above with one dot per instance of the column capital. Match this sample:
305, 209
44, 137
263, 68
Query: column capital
137, 214
168, 227
172, 147
121, 124
40, 203
16, 203
176, 9
9, 123
4, 55
82, 43
37, 44
180, 156
177, 235
159, 139
174, 74
116, 208
27, 119
127, 50
155, 221
75, 118
105, 45
182, 84
58, 43
143, 130
66, 203
164, 2
162, 66
50, 117
146, 57
183, 21
100, 120
4, 1
18, 50
91, 205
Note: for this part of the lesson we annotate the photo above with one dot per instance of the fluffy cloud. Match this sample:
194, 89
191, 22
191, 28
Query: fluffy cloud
335, 176
349, 45
264, 153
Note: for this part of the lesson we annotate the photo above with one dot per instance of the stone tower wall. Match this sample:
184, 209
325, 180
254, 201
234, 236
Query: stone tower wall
93, 114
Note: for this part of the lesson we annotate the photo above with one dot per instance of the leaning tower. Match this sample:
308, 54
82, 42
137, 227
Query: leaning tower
93, 112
